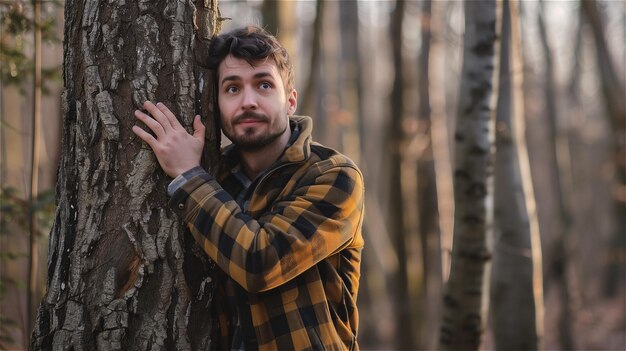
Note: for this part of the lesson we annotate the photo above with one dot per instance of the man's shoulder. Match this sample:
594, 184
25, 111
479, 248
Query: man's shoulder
327, 157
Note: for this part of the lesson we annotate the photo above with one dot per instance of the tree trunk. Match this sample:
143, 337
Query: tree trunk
279, 19
465, 299
561, 248
271, 16
515, 312
440, 138
428, 214
329, 103
33, 252
351, 79
615, 104
308, 95
120, 274
397, 228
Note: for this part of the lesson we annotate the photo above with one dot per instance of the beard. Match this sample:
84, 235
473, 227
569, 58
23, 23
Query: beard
248, 141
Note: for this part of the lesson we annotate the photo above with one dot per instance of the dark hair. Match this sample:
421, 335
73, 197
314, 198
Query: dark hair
252, 44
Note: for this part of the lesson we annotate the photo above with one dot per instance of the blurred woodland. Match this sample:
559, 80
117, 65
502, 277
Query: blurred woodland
386, 83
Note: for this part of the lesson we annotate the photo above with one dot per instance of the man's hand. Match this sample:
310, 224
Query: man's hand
176, 150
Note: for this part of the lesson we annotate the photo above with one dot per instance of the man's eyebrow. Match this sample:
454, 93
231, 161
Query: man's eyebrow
229, 78
262, 74
258, 75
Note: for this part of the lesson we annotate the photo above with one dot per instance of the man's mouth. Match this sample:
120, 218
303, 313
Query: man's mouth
250, 121
250, 118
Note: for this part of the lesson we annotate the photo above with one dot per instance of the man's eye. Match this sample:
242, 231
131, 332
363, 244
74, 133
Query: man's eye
265, 86
232, 89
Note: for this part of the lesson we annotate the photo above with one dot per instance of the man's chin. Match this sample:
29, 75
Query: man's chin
254, 143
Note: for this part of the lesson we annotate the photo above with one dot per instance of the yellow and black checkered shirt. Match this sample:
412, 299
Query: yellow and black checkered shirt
294, 252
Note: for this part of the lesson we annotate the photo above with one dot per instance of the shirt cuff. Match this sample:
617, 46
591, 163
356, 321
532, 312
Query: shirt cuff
182, 179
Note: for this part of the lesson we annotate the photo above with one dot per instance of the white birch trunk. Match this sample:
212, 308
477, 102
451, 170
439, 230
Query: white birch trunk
465, 300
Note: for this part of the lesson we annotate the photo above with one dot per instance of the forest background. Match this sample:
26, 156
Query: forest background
361, 68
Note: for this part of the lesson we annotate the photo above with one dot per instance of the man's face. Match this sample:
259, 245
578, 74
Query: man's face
254, 106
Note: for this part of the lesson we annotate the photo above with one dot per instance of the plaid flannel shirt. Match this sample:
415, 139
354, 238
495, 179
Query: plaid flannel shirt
295, 251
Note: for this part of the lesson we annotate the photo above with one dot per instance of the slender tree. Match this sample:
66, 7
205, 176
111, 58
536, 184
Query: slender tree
514, 309
561, 248
33, 252
350, 76
613, 92
279, 20
397, 228
428, 214
308, 94
440, 135
271, 15
121, 276
465, 300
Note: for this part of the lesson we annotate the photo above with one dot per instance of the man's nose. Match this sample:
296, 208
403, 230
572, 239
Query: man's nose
249, 101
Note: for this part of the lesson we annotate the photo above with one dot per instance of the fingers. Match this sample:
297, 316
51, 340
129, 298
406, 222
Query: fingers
154, 125
169, 115
156, 113
161, 121
163, 115
199, 129
145, 136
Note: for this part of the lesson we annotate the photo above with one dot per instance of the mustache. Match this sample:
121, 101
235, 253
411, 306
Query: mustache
251, 115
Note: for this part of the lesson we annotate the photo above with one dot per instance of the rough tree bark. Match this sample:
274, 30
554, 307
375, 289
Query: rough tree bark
465, 300
516, 313
120, 274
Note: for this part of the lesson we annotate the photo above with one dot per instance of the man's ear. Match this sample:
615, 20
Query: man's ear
292, 102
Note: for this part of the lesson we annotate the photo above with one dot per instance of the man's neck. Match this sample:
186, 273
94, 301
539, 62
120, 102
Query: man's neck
256, 161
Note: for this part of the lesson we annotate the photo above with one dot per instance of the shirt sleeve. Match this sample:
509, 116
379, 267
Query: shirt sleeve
320, 217
183, 178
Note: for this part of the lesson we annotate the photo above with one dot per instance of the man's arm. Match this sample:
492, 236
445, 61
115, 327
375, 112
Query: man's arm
320, 218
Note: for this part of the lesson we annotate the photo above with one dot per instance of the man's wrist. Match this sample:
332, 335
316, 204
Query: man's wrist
181, 179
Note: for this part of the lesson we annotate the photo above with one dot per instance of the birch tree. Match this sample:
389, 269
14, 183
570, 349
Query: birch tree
465, 301
121, 276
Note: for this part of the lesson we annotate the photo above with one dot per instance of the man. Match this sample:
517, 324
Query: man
283, 218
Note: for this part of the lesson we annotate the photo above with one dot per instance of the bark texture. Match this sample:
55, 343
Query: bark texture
120, 274
465, 302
